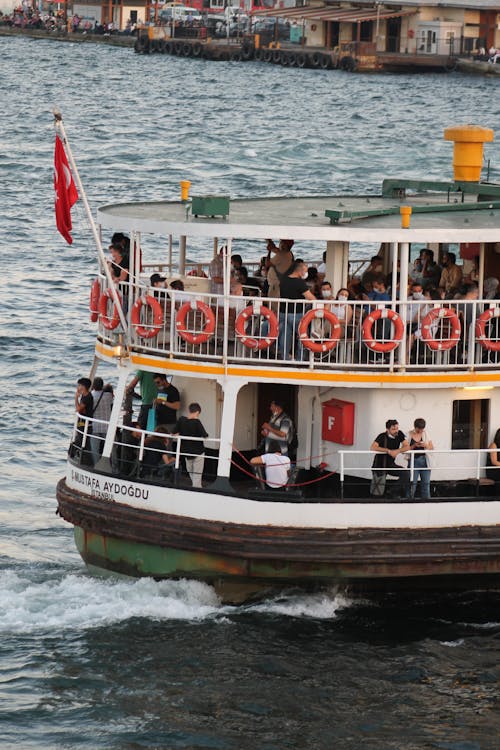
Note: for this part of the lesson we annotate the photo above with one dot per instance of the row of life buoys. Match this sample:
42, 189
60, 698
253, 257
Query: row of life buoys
99, 309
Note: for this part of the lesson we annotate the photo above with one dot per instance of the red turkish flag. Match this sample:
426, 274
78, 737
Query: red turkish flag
66, 194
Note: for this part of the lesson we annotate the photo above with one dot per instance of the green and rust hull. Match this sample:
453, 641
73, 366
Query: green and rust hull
116, 537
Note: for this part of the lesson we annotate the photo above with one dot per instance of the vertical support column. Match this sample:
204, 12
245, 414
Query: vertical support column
404, 250
182, 254
169, 255
480, 280
227, 291
305, 426
230, 390
104, 463
337, 264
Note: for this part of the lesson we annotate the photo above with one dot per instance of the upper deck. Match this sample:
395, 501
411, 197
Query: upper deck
453, 214
444, 215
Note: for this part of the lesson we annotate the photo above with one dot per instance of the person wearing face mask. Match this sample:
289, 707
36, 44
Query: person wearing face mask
293, 291
342, 310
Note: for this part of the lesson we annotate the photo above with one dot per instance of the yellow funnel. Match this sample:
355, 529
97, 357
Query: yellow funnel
468, 150
185, 185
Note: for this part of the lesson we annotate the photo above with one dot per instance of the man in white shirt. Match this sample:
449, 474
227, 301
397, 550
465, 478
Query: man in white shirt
277, 466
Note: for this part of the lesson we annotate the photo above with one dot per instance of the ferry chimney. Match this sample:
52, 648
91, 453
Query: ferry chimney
468, 150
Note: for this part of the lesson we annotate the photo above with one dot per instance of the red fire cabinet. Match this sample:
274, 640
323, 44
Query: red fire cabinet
338, 421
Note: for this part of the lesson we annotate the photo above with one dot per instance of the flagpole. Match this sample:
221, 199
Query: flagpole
58, 123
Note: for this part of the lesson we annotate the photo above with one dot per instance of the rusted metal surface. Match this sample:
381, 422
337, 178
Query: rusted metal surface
308, 552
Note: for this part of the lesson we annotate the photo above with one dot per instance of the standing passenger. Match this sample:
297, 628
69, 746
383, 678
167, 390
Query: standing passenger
103, 403
419, 440
193, 450
149, 392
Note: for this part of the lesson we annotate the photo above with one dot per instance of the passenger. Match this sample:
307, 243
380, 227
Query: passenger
388, 446
119, 263
121, 239
419, 440
277, 466
236, 263
180, 295
193, 450
322, 269
313, 282
280, 428
158, 284
280, 262
149, 392
429, 294
216, 272
342, 310
84, 406
374, 269
158, 454
157, 281
293, 287
451, 275
167, 401
493, 459
241, 275
490, 287
431, 272
103, 403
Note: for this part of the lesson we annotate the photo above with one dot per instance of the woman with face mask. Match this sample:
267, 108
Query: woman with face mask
342, 310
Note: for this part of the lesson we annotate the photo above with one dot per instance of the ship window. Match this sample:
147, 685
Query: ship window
470, 424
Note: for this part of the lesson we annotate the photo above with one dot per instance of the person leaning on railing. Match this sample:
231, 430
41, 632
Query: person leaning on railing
388, 446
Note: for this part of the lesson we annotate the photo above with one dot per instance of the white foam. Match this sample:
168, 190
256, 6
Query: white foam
81, 602
321, 606
250, 152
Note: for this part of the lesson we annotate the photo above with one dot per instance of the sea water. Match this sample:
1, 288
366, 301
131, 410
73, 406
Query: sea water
93, 663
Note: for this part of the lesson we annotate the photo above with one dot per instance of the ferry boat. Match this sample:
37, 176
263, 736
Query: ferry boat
341, 379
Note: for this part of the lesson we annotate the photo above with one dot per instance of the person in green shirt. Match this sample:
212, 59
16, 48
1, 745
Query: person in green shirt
148, 390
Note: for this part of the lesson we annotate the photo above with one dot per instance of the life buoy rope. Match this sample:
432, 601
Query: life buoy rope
208, 329
481, 323
383, 347
147, 332
95, 293
428, 335
326, 345
257, 344
109, 323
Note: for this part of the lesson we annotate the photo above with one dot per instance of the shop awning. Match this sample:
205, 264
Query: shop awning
327, 13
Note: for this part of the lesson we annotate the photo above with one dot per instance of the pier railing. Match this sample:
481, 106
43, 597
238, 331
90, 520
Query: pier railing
365, 334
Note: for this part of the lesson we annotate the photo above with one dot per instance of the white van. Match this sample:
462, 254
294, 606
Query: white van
179, 13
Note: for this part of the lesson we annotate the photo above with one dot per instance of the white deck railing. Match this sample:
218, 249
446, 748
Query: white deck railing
460, 464
421, 335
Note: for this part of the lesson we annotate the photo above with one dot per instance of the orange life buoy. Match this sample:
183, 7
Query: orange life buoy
427, 333
109, 323
327, 344
208, 328
481, 323
382, 346
411, 33
95, 293
313, 27
153, 330
250, 342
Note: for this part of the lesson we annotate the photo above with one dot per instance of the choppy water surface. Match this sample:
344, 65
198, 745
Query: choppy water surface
87, 663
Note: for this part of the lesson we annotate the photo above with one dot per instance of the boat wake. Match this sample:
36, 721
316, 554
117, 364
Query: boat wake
80, 602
